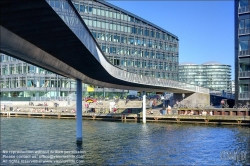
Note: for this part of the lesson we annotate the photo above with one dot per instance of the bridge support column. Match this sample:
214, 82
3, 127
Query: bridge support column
78, 111
144, 107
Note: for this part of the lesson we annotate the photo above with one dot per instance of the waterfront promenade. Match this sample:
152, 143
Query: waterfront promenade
130, 111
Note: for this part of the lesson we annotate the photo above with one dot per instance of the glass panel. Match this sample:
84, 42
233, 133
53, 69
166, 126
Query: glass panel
90, 22
98, 11
76, 6
103, 25
90, 9
241, 24
94, 10
102, 12
94, 23
81, 8
247, 23
243, 45
244, 3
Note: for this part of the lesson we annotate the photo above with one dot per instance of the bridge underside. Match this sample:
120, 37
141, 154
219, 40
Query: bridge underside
33, 32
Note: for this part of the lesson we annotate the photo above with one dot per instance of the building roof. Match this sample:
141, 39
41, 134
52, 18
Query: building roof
139, 18
188, 63
211, 63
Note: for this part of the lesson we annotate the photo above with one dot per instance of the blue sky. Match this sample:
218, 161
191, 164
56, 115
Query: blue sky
205, 28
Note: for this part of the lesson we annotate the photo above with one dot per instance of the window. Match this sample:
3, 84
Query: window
103, 25
94, 10
243, 45
98, 24
90, 9
98, 12
102, 12
107, 25
81, 8
244, 3
110, 14
76, 6
90, 23
114, 15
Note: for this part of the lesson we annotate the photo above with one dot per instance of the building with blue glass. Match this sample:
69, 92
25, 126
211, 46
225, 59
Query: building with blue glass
128, 41
242, 51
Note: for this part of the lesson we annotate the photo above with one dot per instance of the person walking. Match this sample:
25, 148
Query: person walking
166, 98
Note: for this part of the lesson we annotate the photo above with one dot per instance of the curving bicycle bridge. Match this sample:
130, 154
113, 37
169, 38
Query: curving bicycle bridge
51, 34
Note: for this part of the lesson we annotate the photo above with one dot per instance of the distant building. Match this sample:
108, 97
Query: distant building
242, 51
212, 75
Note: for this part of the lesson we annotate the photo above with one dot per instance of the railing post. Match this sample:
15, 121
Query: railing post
144, 107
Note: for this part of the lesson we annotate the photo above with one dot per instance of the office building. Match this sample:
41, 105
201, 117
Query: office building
242, 51
212, 75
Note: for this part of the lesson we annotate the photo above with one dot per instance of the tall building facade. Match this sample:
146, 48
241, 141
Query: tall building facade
212, 75
128, 41
242, 51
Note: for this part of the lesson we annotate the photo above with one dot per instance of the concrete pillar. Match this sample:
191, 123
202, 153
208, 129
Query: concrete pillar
78, 111
144, 107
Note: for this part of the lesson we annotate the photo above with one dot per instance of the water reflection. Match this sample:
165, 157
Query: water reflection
130, 143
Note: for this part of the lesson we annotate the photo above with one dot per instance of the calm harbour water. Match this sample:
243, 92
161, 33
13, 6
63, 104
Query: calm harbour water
37, 141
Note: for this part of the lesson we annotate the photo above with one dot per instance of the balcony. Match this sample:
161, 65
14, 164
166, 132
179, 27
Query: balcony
244, 9
244, 31
244, 96
244, 74
244, 53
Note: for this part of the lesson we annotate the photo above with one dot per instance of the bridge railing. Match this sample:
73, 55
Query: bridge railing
65, 9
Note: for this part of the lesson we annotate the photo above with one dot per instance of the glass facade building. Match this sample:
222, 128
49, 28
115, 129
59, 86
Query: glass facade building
212, 75
128, 41
242, 51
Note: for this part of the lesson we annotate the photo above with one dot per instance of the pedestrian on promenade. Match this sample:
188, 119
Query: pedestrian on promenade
169, 110
166, 100
211, 112
162, 100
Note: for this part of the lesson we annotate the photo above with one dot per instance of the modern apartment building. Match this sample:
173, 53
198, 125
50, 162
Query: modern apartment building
128, 41
212, 75
242, 51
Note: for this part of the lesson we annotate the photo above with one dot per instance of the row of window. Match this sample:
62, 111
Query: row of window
112, 49
131, 40
105, 12
144, 64
23, 68
22, 82
104, 24
204, 67
206, 83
